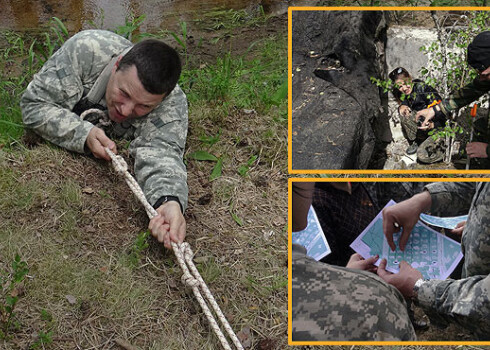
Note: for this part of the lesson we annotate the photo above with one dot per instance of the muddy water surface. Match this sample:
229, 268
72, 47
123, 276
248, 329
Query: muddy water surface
22, 15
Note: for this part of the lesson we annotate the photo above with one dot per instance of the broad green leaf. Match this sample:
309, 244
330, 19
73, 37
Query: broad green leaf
216, 170
203, 155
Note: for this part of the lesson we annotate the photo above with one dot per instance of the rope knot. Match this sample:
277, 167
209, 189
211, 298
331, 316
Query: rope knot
120, 165
188, 280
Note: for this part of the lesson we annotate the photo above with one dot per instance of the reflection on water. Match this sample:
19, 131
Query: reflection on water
108, 14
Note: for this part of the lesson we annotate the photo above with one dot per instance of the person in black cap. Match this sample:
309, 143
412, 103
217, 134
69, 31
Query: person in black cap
479, 59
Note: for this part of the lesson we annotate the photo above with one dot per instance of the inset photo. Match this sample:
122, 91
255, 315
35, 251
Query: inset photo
399, 90
372, 260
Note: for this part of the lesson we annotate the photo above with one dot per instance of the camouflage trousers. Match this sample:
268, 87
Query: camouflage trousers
429, 151
409, 127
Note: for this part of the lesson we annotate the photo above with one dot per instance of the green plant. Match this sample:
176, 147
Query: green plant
130, 26
210, 140
9, 284
138, 247
44, 338
45, 48
182, 39
448, 134
235, 217
201, 155
244, 168
449, 130
447, 55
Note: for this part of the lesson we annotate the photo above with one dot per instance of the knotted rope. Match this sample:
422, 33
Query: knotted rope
191, 276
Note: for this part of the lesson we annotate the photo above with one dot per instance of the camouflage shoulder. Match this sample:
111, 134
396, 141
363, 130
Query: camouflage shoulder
93, 49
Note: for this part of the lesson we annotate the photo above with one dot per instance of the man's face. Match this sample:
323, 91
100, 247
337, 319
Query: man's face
126, 97
484, 75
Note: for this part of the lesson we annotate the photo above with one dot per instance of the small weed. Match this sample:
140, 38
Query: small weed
46, 316
130, 27
217, 170
44, 338
235, 217
9, 284
201, 155
244, 168
181, 40
210, 140
139, 246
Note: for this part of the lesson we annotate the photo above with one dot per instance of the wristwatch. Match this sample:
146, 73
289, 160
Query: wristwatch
416, 288
166, 199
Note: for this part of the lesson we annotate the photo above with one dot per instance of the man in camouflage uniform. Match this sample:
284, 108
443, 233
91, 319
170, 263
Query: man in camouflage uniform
333, 303
465, 301
137, 86
479, 59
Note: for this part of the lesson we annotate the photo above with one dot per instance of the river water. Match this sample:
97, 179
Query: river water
20, 15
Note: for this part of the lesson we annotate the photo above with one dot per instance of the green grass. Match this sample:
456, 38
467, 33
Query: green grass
240, 82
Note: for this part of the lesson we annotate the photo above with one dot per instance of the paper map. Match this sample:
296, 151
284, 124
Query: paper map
448, 222
428, 251
312, 238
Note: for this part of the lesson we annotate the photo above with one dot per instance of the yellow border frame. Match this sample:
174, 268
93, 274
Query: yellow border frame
290, 341
290, 90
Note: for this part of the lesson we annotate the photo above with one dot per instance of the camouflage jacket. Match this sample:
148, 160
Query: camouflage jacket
333, 303
158, 139
464, 96
465, 301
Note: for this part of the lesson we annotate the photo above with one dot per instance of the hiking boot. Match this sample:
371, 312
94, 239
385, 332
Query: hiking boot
431, 151
419, 325
412, 149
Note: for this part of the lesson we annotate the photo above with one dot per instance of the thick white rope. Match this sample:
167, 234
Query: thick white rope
184, 254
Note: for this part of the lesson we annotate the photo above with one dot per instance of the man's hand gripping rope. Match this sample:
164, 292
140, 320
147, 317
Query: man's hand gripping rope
191, 276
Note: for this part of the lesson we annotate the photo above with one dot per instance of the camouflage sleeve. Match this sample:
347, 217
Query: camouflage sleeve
333, 303
465, 96
451, 198
158, 150
49, 99
465, 301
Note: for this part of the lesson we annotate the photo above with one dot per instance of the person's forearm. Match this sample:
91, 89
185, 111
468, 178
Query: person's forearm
55, 123
451, 198
466, 302
464, 96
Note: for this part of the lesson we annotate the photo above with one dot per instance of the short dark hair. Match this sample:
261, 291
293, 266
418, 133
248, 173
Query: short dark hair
395, 73
158, 65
